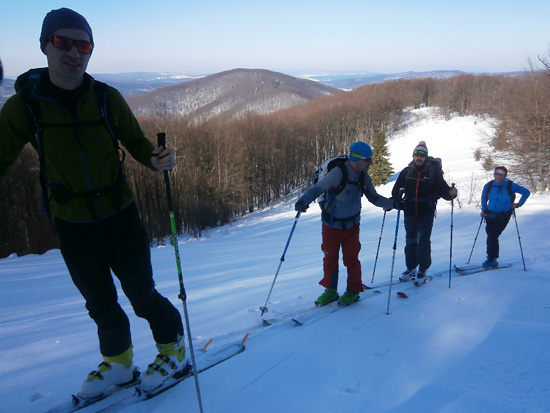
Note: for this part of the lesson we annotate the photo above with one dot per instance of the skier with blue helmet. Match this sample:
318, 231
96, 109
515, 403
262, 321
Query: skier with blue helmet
342, 188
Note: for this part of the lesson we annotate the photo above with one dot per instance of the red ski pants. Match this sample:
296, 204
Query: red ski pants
348, 238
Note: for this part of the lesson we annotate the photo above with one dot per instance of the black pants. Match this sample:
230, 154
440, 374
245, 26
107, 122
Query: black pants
418, 247
495, 224
118, 243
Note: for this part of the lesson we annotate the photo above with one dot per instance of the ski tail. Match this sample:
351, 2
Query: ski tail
479, 268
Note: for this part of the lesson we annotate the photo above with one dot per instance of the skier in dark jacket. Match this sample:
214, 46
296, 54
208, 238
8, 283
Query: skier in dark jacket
340, 221
423, 184
93, 208
497, 204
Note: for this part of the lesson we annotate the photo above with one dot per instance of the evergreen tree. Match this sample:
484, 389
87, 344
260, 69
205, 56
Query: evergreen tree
381, 168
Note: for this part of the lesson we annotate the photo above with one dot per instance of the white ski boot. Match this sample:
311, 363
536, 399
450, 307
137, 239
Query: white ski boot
171, 358
112, 371
407, 275
420, 278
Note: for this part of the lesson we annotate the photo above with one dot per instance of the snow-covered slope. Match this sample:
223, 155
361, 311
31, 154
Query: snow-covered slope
482, 345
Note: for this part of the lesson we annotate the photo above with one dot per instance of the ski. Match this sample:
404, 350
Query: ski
325, 310
467, 267
478, 268
385, 284
299, 317
205, 360
295, 315
318, 311
416, 287
203, 364
78, 402
120, 396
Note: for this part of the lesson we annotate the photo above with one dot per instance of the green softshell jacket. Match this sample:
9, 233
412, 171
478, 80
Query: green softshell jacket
80, 155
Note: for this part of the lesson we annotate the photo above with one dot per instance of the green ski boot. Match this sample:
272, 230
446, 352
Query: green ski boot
348, 298
327, 297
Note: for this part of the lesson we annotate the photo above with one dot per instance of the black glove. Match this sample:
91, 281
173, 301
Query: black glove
518, 205
301, 206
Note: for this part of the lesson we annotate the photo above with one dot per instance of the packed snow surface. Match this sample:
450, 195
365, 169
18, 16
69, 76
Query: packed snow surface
480, 346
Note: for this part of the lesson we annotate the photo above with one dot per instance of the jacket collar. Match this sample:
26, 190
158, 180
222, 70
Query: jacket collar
35, 83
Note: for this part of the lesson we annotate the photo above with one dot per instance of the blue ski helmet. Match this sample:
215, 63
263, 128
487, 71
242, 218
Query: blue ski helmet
359, 150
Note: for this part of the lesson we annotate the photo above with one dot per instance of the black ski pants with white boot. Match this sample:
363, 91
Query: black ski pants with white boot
119, 244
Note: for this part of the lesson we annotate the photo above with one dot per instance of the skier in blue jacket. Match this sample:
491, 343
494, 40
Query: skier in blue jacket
497, 201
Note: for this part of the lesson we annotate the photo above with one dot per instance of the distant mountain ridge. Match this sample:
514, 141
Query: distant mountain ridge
355, 80
233, 93
136, 83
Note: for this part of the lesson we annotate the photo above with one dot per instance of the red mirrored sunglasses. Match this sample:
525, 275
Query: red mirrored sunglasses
65, 43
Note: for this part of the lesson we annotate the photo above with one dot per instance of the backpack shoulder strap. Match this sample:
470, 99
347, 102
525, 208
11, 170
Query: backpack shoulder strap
34, 116
339, 162
103, 98
508, 186
490, 186
435, 164
510, 191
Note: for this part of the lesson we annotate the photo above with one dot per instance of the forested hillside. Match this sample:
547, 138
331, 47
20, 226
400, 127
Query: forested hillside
228, 167
234, 93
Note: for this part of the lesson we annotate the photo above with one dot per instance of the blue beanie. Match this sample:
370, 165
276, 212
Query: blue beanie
63, 19
359, 150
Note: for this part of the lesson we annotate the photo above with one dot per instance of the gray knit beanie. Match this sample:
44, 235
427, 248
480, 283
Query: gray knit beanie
63, 19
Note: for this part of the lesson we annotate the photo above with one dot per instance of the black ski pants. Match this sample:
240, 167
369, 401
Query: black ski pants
418, 247
496, 223
118, 244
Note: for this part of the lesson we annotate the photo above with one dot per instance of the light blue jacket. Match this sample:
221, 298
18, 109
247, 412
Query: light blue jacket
498, 199
344, 209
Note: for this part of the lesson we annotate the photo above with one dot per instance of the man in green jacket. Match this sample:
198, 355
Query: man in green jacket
93, 208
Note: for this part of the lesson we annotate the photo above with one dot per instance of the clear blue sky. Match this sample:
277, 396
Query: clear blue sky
291, 36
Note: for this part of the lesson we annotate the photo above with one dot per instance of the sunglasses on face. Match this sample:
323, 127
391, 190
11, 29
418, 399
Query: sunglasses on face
360, 157
65, 43
502, 175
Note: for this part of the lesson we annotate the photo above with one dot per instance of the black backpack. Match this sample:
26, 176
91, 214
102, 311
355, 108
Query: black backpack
37, 123
435, 166
508, 186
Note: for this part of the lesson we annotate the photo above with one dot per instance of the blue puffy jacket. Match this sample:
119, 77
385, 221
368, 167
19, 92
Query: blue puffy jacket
498, 199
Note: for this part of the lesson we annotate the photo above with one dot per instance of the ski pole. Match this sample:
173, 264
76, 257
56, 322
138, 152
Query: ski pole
378, 249
451, 244
519, 239
394, 248
183, 295
264, 308
475, 239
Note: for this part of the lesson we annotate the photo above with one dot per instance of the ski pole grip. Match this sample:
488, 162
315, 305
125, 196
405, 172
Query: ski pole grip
161, 139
